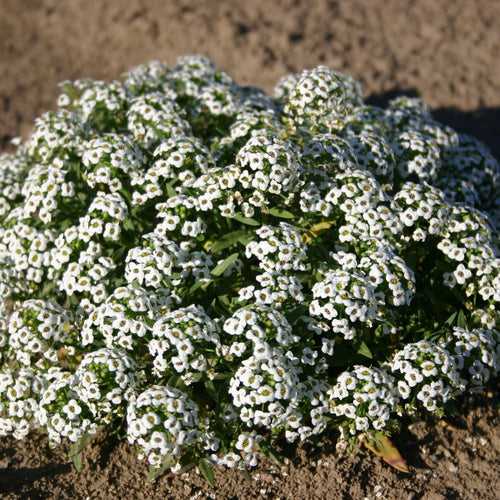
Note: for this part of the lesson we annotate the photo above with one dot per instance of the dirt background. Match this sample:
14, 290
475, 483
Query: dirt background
456, 459
447, 51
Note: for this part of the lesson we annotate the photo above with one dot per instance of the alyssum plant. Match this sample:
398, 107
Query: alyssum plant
206, 269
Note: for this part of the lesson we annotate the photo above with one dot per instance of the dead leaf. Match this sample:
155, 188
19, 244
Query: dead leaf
315, 230
383, 447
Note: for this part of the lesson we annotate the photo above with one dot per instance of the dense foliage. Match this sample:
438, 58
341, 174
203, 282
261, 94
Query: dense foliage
205, 269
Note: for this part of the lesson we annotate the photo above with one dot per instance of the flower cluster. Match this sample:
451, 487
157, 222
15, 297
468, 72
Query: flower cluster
391, 277
476, 353
123, 321
216, 269
263, 327
163, 423
19, 391
185, 341
426, 375
346, 300
12, 172
61, 412
278, 249
274, 289
103, 381
320, 94
36, 330
471, 260
365, 397
268, 167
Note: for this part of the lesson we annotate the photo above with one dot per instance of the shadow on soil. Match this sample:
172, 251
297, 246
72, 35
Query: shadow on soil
11, 480
483, 123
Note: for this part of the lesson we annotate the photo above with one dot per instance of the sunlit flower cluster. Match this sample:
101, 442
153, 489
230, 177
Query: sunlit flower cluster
365, 397
346, 300
476, 353
61, 413
185, 341
19, 393
36, 330
426, 375
103, 381
162, 422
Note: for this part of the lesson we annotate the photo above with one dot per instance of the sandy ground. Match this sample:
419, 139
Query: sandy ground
446, 51
456, 459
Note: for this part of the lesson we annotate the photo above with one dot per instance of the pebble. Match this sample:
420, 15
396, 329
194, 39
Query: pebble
267, 477
434, 496
421, 475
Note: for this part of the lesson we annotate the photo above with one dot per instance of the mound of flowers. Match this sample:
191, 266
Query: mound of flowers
209, 270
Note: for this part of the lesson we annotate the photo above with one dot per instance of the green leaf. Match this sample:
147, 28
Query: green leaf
199, 284
211, 390
207, 471
223, 376
224, 301
195, 377
297, 313
48, 288
228, 240
219, 269
66, 223
79, 446
270, 453
126, 194
246, 220
155, 472
77, 462
451, 319
172, 381
364, 350
283, 214
462, 320
76, 449
246, 474
245, 239
170, 190
128, 225
343, 355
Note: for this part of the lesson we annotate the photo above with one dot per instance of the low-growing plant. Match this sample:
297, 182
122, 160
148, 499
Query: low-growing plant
205, 270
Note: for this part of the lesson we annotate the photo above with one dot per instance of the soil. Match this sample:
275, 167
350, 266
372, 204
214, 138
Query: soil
445, 51
453, 459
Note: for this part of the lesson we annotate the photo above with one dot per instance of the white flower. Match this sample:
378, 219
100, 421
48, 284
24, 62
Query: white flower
462, 274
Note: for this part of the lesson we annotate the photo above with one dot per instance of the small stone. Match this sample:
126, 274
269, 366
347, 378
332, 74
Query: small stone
266, 477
